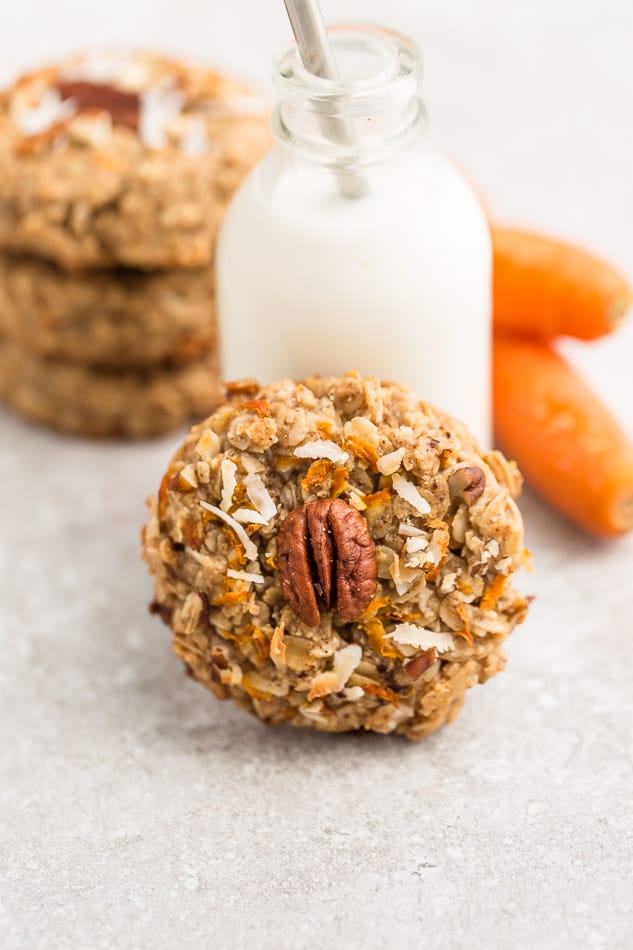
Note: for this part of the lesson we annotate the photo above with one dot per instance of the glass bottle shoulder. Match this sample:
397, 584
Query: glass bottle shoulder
420, 187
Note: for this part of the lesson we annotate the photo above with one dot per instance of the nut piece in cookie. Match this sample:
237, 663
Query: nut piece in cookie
467, 484
124, 108
335, 555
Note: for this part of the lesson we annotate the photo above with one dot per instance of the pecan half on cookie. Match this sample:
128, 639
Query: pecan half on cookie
326, 557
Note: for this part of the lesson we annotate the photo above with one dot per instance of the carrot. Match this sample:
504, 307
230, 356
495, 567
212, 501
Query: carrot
568, 444
544, 288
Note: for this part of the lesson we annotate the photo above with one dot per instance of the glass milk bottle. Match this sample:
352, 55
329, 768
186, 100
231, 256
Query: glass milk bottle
355, 245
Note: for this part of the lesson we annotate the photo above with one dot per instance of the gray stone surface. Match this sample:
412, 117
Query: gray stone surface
136, 812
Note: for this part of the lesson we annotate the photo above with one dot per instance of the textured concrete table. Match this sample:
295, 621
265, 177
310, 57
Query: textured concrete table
135, 811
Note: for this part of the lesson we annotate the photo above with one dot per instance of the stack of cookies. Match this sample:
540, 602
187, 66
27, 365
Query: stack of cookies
115, 172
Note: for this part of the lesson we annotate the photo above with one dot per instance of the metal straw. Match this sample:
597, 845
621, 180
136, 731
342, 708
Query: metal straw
316, 54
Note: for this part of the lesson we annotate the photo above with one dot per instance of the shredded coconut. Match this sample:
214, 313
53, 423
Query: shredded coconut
402, 575
410, 531
228, 471
347, 659
332, 681
35, 119
248, 516
158, 108
410, 493
408, 634
321, 449
250, 549
416, 544
436, 550
390, 463
260, 497
504, 564
245, 576
353, 693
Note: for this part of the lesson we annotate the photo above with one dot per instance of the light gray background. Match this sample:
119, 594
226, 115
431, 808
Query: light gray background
137, 812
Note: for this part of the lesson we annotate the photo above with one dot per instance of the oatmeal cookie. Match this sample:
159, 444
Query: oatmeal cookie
336, 555
119, 318
123, 159
96, 402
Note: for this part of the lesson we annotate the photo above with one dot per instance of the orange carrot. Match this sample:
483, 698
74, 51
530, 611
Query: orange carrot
566, 442
545, 288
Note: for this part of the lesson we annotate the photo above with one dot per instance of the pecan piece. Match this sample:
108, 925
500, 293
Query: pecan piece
415, 668
467, 484
327, 560
124, 107
294, 566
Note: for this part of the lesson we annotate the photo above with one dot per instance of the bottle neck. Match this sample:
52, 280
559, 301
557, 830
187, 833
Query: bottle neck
368, 116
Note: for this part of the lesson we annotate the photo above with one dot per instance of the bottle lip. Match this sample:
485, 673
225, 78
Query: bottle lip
363, 118
402, 66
